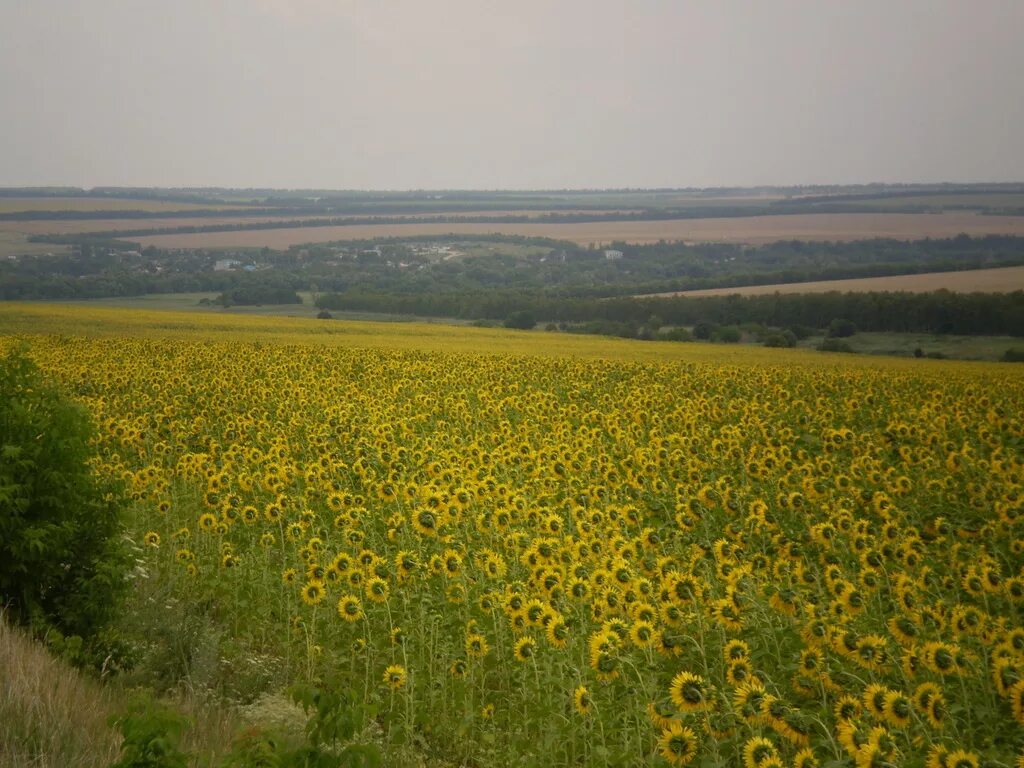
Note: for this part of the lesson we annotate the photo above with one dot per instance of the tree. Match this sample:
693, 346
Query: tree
62, 558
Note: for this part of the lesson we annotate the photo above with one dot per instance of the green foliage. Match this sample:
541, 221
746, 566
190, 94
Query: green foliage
841, 328
1013, 355
704, 330
835, 345
727, 334
62, 561
152, 733
335, 718
780, 339
523, 320
676, 334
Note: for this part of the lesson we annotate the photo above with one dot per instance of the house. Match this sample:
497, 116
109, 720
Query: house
613, 255
225, 265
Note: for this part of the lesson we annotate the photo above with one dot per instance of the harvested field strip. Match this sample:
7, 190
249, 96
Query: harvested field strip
1000, 280
19, 204
752, 229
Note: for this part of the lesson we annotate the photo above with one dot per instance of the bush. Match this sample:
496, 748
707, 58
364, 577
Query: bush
704, 330
676, 334
323, 314
728, 334
835, 345
1013, 355
841, 329
780, 339
62, 558
522, 320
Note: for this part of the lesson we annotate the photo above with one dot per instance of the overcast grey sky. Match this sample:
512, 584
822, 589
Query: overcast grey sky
396, 94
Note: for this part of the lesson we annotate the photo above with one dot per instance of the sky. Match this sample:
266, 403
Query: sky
517, 94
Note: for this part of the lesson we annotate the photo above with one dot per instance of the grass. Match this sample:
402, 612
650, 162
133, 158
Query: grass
50, 715
953, 347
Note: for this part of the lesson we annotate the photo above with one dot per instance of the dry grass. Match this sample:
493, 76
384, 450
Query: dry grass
747, 229
1000, 280
50, 715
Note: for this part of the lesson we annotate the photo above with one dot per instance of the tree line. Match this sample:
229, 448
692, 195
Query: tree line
941, 312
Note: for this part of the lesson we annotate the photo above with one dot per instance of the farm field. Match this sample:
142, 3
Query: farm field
20, 204
749, 229
999, 280
14, 244
74, 226
540, 549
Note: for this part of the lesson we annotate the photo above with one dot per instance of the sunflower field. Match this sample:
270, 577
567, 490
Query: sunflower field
559, 559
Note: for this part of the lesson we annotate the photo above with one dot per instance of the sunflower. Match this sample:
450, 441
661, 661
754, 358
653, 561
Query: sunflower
677, 744
641, 634
395, 676
557, 632
582, 701
747, 700
350, 608
738, 672
688, 691
936, 712
923, 695
735, 650
874, 699
313, 592
805, 758
377, 590
476, 645
758, 751
961, 758
425, 522
847, 708
524, 649
151, 539
1016, 694
897, 709
871, 652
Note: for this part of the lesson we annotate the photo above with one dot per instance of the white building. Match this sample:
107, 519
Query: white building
613, 255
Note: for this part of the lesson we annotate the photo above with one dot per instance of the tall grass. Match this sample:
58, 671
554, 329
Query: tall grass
50, 714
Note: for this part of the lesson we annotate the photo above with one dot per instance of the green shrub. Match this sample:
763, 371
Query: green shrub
780, 339
152, 733
522, 320
1013, 355
835, 345
62, 558
676, 334
727, 334
841, 328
